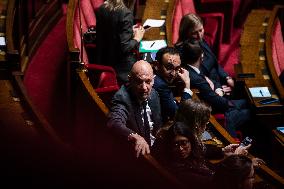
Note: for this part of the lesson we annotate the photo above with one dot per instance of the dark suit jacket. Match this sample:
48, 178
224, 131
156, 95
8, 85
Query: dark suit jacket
125, 114
218, 103
115, 43
168, 103
210, 66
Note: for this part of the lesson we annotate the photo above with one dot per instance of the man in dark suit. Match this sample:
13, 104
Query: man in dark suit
211, 68
117, 39
168, 69
236, 112
135, 112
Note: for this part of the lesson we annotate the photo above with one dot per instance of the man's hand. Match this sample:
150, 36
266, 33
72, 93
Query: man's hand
230, 82
227, 90
184, 76
257, 162
141, 146
219, 92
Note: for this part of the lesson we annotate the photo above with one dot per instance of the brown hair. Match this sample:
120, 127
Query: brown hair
232, 172
195, 114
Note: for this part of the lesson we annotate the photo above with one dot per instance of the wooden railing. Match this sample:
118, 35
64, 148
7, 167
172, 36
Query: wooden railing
18, 44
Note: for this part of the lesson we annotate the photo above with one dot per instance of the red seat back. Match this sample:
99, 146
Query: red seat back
278, 48
107, 77
182, 7
213, 23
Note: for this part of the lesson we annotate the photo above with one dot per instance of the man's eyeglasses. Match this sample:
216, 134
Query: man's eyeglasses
171, 68
181, 143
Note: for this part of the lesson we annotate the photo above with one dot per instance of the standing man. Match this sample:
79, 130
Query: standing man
135, 113
168, 68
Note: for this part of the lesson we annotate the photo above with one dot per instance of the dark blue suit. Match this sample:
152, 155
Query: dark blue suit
168, 103
210, 66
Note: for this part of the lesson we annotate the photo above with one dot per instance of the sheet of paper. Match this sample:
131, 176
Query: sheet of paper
259, 92
152, 46
153, 23
2, 41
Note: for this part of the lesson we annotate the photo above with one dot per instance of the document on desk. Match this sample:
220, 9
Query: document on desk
152, 46
153, 23
259, 92
2, 41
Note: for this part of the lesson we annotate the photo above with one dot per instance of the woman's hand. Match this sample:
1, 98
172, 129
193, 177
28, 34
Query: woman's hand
138, 33
257, 162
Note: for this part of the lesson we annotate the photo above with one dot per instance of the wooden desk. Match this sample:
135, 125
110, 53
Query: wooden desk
278, 150
155, 9
253, 59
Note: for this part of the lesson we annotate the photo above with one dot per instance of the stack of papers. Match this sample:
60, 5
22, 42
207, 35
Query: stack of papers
152, 46
259, 92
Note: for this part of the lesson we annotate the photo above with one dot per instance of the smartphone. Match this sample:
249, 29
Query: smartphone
146, 27
268, 100
246, 141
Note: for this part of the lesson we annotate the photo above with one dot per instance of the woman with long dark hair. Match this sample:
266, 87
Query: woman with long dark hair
182, 154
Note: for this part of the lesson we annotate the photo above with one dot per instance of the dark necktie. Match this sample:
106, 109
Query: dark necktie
146, 123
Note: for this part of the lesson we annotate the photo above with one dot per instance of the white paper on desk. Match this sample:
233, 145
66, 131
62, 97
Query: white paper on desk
153, 45
153, 23
2, 41
259, 92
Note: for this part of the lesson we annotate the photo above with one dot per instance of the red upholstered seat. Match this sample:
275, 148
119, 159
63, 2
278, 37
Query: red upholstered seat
220, 118
229, 8
106, 79
278, 48
213, 23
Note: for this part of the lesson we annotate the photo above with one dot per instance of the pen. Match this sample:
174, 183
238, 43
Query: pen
260, 92
152, 44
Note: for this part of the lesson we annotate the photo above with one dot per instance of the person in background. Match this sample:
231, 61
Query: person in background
117, 39
191, 29
135, 112
182, 155
236, 112
196, 114
236, 172
168, 69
